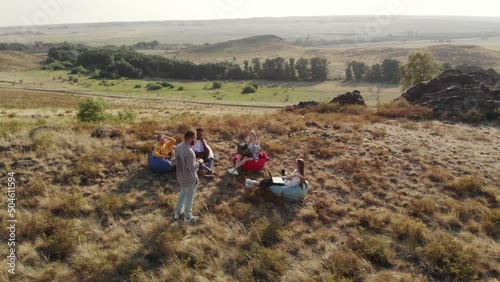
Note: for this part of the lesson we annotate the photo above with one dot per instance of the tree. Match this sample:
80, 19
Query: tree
257, 67
421, 66
358, 69
348, 73
291, 69
374, 74
390, 71
319, 69
302, 67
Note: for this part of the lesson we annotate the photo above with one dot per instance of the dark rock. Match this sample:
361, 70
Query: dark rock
349, 98
40, 129
307, 104
453, 94
23, 163
312, 124
106, 133
2, 165
36, 116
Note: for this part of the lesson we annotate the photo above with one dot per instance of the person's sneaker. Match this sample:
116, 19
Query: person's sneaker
191, 219
177, 216
233, 171
211, 174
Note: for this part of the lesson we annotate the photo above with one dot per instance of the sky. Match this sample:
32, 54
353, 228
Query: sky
41, 12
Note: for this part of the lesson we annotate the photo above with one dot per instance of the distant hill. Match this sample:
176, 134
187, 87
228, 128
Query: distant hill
17, 61
245, 45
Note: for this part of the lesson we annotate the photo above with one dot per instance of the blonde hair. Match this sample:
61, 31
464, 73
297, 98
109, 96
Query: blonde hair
301, 164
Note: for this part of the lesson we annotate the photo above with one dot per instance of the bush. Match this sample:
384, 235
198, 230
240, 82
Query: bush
137, 86
180, 88
374, 248
344, 263
248, 90
406, 228
166, 84
403, 109
79, 70
126, 115
447, 258
468, 184
154, 87
92, 110
473, 116
56, 66
255, 85
491, 223
216, 85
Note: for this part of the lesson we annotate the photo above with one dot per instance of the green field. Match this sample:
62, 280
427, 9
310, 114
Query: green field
268, 93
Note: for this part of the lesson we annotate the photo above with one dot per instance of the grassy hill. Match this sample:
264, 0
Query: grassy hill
391, 199
18, 61
270, 46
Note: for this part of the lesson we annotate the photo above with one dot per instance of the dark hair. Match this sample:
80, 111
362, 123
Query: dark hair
301, 172
158, 137
199, 129
189, 134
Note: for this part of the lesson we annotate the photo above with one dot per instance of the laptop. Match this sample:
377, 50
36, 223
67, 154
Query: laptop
278, 181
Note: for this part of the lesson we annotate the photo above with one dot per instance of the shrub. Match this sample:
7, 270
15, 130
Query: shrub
92, 110
474, 115
255, 85
59, 238
137, 86
56, 66
79, 70
154, 87
126, 115
403, 109
248, 90
166, 84
181, 88
447, 258
491, 223
468, 184
406, 228
344, 263
374, 248
216, 85
266, 264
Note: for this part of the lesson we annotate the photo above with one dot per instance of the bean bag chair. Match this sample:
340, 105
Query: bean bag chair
254, 165
159, 164
291, 193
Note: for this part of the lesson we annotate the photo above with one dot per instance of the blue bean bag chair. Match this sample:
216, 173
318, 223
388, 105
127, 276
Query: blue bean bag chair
159, 164
290, 193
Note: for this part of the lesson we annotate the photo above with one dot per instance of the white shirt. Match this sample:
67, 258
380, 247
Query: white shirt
198, 146
295, 180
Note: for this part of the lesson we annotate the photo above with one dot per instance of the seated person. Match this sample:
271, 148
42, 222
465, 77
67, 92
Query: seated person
164, 149
253, 155
297, 176
204, 153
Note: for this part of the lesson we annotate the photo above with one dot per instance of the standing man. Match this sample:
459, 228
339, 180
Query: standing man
187, 168
204, 152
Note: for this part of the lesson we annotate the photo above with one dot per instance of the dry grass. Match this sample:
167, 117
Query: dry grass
90, 210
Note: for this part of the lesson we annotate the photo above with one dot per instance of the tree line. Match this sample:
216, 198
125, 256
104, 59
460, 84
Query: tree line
388, 72
126, 62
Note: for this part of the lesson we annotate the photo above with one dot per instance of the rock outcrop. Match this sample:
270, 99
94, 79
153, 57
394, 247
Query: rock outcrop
349, 98
454, 94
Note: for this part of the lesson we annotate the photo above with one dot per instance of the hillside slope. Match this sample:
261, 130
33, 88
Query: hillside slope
390, 200
17, 61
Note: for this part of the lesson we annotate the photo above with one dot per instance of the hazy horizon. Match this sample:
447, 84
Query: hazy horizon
54, 12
